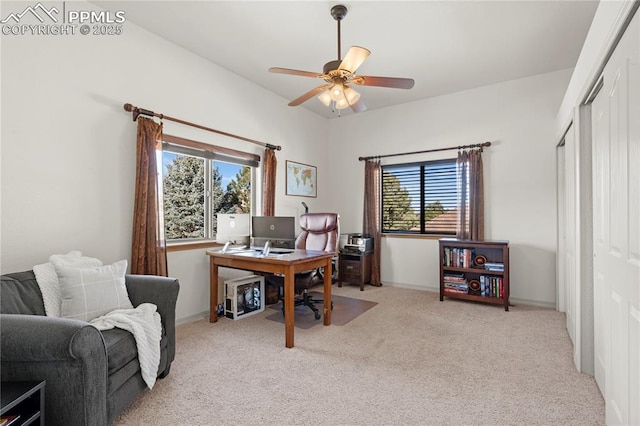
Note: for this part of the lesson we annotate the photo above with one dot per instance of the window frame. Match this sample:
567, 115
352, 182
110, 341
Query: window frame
210, 154
422, 232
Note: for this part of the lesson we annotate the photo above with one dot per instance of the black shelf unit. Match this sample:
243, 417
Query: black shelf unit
25, 400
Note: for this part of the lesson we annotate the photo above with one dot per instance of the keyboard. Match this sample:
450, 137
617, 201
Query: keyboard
274, 250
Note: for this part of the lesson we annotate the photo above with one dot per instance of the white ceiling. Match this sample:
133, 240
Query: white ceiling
445, 46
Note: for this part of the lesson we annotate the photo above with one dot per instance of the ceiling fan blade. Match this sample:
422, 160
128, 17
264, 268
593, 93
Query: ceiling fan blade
393, 82
358, 106
310, 94
294, 72
355, 57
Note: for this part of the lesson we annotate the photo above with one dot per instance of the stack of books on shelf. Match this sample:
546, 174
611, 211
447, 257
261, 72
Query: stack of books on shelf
456, 283
494, 266
458, 257
491, 286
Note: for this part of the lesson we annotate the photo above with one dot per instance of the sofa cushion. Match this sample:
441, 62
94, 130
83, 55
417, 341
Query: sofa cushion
21, 294
88, 293
121, 351
121, 347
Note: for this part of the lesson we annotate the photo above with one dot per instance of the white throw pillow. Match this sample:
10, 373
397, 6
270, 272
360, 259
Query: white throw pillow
48, 279
88, 293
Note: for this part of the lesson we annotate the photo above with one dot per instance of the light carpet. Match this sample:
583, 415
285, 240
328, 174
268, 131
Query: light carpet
412, 360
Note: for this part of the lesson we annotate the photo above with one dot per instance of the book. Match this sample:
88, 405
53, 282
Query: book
10, 419
463, 287
494, 266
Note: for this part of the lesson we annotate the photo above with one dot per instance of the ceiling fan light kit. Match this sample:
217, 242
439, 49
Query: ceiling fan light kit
335, 92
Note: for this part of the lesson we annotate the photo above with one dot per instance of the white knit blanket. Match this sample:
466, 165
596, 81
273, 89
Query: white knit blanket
144, 323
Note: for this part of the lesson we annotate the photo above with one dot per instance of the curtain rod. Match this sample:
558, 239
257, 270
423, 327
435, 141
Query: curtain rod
477, 145
135, 112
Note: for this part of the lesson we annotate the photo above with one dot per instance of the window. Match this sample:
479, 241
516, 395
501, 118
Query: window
420, 198
198, 183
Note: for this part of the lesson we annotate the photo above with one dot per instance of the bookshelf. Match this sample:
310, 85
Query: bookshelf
475, 270
22, 403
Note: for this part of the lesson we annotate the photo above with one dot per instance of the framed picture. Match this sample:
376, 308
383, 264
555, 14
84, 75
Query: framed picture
301, 179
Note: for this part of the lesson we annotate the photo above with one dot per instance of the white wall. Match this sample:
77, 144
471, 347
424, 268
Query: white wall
68, 147
520, 189
68, 153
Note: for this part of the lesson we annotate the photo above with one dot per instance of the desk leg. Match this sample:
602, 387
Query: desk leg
213, 291
327, 293
289, 295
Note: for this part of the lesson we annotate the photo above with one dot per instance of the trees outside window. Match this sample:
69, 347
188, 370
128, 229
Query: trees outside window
420, 198
183, 197
196, 189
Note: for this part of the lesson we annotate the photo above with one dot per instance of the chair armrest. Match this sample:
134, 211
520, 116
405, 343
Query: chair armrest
40, 338
69, 354
162, 292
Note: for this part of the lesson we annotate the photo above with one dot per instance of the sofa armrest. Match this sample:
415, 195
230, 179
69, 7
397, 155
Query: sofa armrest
69, 354
162, 292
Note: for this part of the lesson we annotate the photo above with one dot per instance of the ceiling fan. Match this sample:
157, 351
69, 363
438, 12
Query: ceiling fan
340, 73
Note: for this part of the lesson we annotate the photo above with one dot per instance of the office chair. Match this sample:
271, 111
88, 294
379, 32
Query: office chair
319, 231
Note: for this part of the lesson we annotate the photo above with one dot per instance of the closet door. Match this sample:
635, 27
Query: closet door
568, 261
600, 132
616, 198
561, 280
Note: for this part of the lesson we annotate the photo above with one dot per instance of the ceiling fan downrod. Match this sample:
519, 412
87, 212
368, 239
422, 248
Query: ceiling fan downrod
338, 12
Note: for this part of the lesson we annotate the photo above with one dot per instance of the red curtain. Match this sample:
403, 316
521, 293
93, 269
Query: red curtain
269, 165
148, 253
471, 202
371, 217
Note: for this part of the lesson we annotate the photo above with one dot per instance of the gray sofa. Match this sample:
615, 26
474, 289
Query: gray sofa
91, 376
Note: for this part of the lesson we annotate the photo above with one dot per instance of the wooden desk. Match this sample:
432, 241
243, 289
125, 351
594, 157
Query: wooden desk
285, 264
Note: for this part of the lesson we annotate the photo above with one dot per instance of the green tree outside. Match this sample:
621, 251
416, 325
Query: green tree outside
433, 210
397, 214
184, 197
238, 194
183, 190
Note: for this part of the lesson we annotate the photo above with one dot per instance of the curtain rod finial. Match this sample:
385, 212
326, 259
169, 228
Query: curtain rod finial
135, 111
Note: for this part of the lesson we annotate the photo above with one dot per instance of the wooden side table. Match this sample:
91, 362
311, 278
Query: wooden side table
22, 401
354, 268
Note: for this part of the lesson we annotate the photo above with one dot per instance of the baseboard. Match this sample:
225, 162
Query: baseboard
192, 318
539, 304
436, 289
432, 289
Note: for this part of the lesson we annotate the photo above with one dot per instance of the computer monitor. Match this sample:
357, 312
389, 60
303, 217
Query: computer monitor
233, 228
279, 230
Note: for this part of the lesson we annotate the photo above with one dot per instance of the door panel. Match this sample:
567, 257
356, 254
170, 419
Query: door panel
561, 279
634, 366
616, 186
570, 241
600, 133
